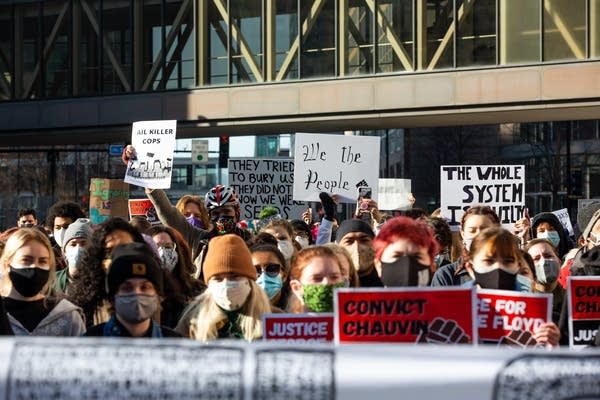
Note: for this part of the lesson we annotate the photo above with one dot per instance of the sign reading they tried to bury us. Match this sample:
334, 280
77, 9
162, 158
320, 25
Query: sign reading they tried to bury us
261, 182
335, 164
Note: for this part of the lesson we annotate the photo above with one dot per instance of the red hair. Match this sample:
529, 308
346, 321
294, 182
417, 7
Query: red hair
418, 232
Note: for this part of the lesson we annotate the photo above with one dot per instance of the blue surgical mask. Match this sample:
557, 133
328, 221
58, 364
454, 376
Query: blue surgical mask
73, 254
271, 285
552, 236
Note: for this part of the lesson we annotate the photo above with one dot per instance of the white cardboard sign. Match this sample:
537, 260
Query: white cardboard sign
393, 194
336, 164
154, 144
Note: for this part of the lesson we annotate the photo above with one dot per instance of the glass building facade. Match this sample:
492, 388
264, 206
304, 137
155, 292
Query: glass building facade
60, 48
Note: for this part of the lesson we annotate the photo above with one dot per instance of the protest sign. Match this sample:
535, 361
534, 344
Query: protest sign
261, 182
502, 187
108, 198
583, 296
336, 164
143, 208
509, 317
565, 220
298, 328
393, 194
409, 315
154, 144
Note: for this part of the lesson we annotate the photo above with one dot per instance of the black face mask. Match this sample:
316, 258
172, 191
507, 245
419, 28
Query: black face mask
496, 279
405, 271
28, 281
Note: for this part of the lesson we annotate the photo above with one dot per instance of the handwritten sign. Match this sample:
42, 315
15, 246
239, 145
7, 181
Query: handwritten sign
565, 220
393, 194
264, 182
154, 144
405, 315
502, 187
108, 198
583, 295
143, 208
508, 317
298, 328
336, 164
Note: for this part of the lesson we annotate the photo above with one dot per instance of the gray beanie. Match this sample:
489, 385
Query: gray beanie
81, 228
585, 215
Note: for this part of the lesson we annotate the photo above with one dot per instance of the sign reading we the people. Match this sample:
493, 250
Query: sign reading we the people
502, 187
298, 328
409, 315
583, 296
261, 182
336, 164
509, 317
154, 144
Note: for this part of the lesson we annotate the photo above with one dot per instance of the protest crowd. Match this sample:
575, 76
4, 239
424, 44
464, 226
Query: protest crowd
204, 273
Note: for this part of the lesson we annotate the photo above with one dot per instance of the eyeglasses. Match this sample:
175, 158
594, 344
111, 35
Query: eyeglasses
272, 270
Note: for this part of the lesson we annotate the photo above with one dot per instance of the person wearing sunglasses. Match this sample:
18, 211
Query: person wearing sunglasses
272, 273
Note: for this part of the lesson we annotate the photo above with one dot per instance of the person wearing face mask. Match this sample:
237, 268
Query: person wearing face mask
26, 218
315, 274
495, 260
75, 240
176, 262
356, 237
134, 286
546, 225
302, 234
283, 231
60, 216
193, 209
474, 220
232, 306
405, 253
547, 267
28, 270
349, 271
273, 273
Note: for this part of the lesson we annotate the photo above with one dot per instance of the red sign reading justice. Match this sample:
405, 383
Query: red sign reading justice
427, 315
502, 315
298, 327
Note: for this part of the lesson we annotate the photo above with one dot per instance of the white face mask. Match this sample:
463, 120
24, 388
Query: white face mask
168, 258
73, 254
287, 248
59, 236
302, 241
230, 295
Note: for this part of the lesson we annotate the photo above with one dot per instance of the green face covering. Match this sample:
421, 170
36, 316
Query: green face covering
319, 298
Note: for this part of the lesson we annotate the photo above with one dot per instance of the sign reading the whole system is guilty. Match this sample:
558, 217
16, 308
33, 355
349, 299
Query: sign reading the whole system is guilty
154, 144
405, 315
335, 164
502, 187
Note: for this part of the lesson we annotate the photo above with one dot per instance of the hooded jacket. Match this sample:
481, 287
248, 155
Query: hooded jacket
565, 243
65, 319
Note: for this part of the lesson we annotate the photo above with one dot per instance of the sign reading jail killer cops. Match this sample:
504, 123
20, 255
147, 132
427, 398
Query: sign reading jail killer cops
336, 164
108, 198
583, 296
143, 208
298, 328
501, 187
409, 315
508, 317
154, 144
261, 182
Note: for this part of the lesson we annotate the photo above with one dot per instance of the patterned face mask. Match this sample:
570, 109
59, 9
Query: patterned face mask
319, 298
224, 224
168, 258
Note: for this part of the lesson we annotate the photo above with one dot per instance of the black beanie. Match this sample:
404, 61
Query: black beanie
353, 225
133, 260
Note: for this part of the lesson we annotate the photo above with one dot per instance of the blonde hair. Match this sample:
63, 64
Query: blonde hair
209, 317
18, 239
342, 252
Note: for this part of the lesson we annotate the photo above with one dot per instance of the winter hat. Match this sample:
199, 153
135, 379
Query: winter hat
133, 260
353, 225
584, 216
228, 254
81, 228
